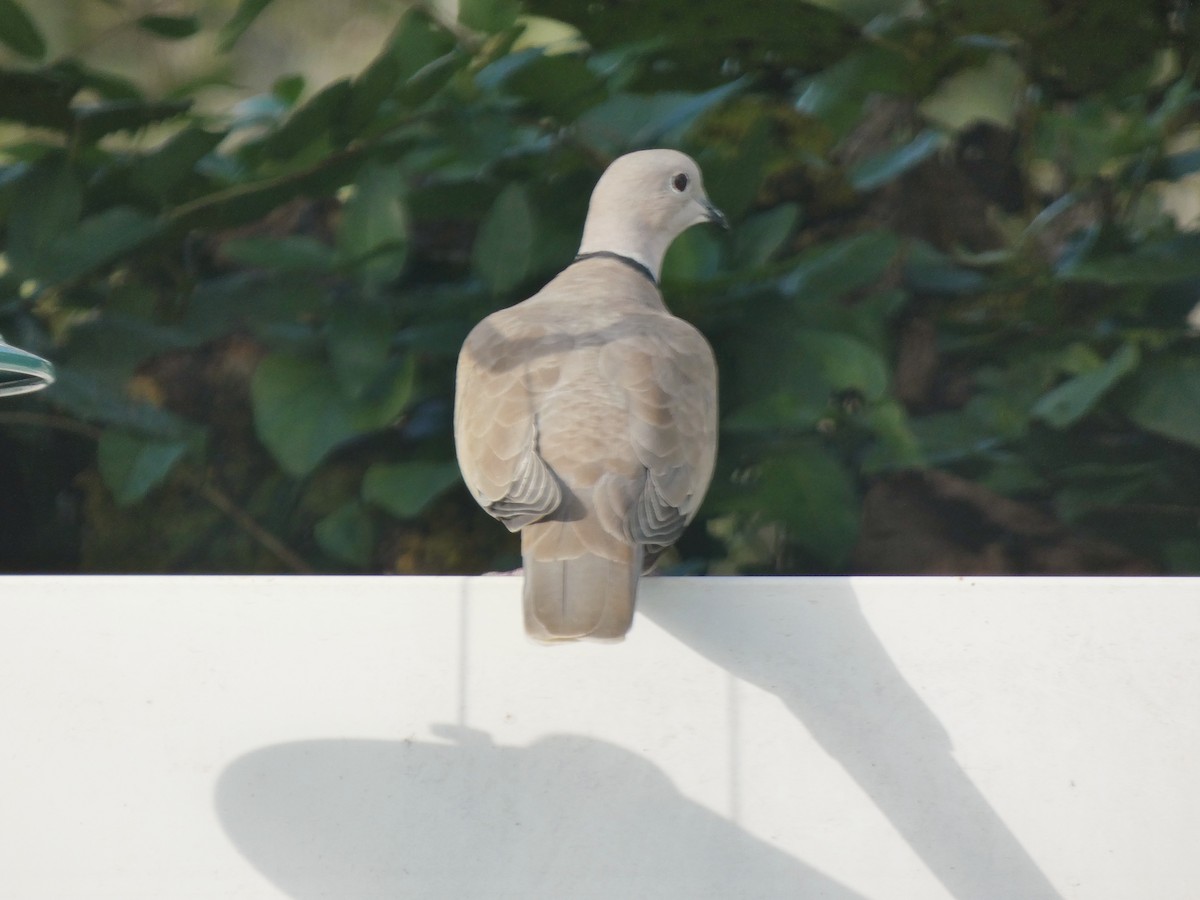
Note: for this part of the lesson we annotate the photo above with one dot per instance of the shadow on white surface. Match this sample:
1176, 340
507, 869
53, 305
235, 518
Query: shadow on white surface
822, 659
566, 817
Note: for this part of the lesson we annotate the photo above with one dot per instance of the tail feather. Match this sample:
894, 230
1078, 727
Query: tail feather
586, 597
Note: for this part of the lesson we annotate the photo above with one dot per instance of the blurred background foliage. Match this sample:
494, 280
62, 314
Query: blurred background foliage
952, 317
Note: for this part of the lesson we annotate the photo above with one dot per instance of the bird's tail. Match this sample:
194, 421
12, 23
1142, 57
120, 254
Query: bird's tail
586, 597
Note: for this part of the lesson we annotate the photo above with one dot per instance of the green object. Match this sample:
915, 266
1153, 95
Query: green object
22, 372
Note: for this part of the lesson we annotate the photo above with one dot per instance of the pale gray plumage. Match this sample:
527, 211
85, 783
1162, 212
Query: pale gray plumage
586, 416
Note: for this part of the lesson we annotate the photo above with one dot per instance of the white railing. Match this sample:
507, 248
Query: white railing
361, 738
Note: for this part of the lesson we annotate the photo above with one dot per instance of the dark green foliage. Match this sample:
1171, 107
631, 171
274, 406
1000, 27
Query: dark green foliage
952, 254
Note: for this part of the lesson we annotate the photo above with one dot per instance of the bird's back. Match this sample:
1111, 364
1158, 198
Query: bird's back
617, 398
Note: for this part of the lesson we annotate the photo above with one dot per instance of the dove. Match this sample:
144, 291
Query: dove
586, 416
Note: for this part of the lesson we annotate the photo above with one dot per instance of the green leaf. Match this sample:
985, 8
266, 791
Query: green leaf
831, 270
108, 349
347, 534
1179, 165
292, 253
160, 171
928, 270
41, 99
95, 120
131, 465
504, 246
245, 203
760, 237
18, 31
488, 15
373, 235
562, 85
311, 124
629, 121
896, 444
1154, 262
359, 341
888, 166
734, 174
1165, 398
97, 241
811, 492
288, 89
419, 42
690, 42
406, 489
252, 301
46, 203
837, 94
92, 400
693, 256
845, 363
819, 366
243, 18
988, 93
171, 27
387, 396
299, 413
400, 76
1070, 401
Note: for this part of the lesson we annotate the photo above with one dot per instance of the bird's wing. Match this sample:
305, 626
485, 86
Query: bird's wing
501, 366
668, 373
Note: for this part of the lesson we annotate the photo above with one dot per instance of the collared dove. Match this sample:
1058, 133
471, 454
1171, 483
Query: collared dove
586, 416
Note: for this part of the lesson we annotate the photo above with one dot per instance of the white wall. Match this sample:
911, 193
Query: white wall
362, 738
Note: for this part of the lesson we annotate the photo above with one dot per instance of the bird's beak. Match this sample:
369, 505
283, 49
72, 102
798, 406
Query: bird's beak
715, 215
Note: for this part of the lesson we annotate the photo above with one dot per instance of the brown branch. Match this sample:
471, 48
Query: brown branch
268, 541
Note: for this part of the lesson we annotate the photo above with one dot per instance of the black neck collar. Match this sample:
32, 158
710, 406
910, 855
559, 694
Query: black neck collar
627, 260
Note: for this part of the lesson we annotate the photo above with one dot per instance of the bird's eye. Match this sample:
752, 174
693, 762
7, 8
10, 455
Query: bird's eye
679, 183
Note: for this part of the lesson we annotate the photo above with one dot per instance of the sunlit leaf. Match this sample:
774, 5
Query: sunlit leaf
95, 120
988, 93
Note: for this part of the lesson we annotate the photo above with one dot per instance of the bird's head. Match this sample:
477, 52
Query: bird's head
643, 201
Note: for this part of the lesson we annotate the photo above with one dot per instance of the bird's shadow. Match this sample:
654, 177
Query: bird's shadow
567, 816
822, 659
